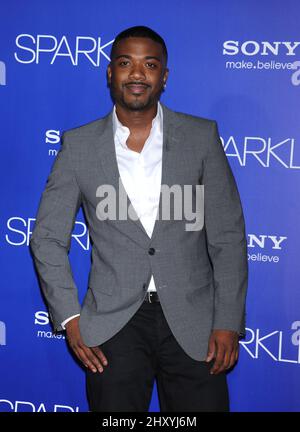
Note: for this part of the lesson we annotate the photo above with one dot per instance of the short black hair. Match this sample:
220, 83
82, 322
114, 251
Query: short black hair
139, 31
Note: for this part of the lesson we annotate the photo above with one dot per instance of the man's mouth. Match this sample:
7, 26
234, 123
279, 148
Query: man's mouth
136, 88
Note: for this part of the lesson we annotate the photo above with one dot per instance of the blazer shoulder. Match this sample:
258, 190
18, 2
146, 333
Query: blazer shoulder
87, 129
203, 121
193, 122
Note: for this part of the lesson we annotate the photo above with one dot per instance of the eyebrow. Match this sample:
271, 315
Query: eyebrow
129, 57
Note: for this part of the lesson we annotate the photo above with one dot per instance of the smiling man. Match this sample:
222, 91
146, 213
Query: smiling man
137, 75
162, 302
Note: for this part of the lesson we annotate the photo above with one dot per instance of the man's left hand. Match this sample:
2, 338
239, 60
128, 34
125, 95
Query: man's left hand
224, 347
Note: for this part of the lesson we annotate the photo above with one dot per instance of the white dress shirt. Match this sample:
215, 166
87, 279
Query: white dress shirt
140, 173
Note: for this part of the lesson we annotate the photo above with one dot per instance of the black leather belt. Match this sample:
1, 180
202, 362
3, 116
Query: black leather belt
151, 297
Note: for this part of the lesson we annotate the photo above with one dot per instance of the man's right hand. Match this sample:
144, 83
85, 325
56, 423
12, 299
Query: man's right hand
91, 357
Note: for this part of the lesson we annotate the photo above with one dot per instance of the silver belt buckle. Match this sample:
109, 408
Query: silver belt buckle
149, 296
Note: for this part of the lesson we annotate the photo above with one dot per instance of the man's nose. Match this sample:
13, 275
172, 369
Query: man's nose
137, 72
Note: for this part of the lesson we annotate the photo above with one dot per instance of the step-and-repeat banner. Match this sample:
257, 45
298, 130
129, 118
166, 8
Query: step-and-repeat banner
231, 61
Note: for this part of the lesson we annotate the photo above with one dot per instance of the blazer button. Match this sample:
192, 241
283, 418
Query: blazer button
151, 251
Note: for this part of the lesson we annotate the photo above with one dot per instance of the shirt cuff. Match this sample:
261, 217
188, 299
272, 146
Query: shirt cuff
67, 320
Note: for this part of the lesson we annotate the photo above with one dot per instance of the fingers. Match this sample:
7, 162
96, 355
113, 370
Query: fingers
92, 357
218, 364
100, 355
233, 359
211, 349
89, 359
226, 357
237, 352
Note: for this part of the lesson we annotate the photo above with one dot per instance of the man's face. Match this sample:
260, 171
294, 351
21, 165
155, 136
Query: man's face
137, 73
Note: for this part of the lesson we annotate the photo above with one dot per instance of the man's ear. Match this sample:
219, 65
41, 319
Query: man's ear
108, 73
166, 74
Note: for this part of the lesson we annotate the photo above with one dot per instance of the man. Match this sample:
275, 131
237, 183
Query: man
163, 301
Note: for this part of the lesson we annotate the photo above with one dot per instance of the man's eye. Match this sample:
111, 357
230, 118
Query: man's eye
123, 62
152, 65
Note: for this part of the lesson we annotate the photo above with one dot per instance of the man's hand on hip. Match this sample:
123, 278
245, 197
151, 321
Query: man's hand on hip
92, 357
224, 347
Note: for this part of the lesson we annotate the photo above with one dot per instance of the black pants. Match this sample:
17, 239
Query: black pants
142, 351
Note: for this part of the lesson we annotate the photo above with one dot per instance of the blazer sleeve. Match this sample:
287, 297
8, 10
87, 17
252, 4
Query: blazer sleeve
226, 238
51, 238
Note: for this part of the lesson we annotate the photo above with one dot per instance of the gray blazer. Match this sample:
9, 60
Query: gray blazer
201, 276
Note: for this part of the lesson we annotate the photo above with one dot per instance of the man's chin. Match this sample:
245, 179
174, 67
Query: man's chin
137, 105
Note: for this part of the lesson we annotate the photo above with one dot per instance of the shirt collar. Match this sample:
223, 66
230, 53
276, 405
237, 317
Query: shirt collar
119, 128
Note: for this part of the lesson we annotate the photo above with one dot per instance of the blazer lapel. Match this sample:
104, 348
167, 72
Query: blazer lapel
172, 136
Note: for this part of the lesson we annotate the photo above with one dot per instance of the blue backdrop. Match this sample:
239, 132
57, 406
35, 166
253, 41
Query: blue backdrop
232, 61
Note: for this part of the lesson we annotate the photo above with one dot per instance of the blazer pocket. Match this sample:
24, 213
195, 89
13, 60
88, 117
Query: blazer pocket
101, 282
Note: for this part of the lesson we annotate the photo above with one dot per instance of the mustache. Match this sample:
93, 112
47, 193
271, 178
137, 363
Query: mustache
136, 83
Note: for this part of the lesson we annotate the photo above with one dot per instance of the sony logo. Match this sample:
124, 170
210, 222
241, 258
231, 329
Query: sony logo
264, 48
262, 240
